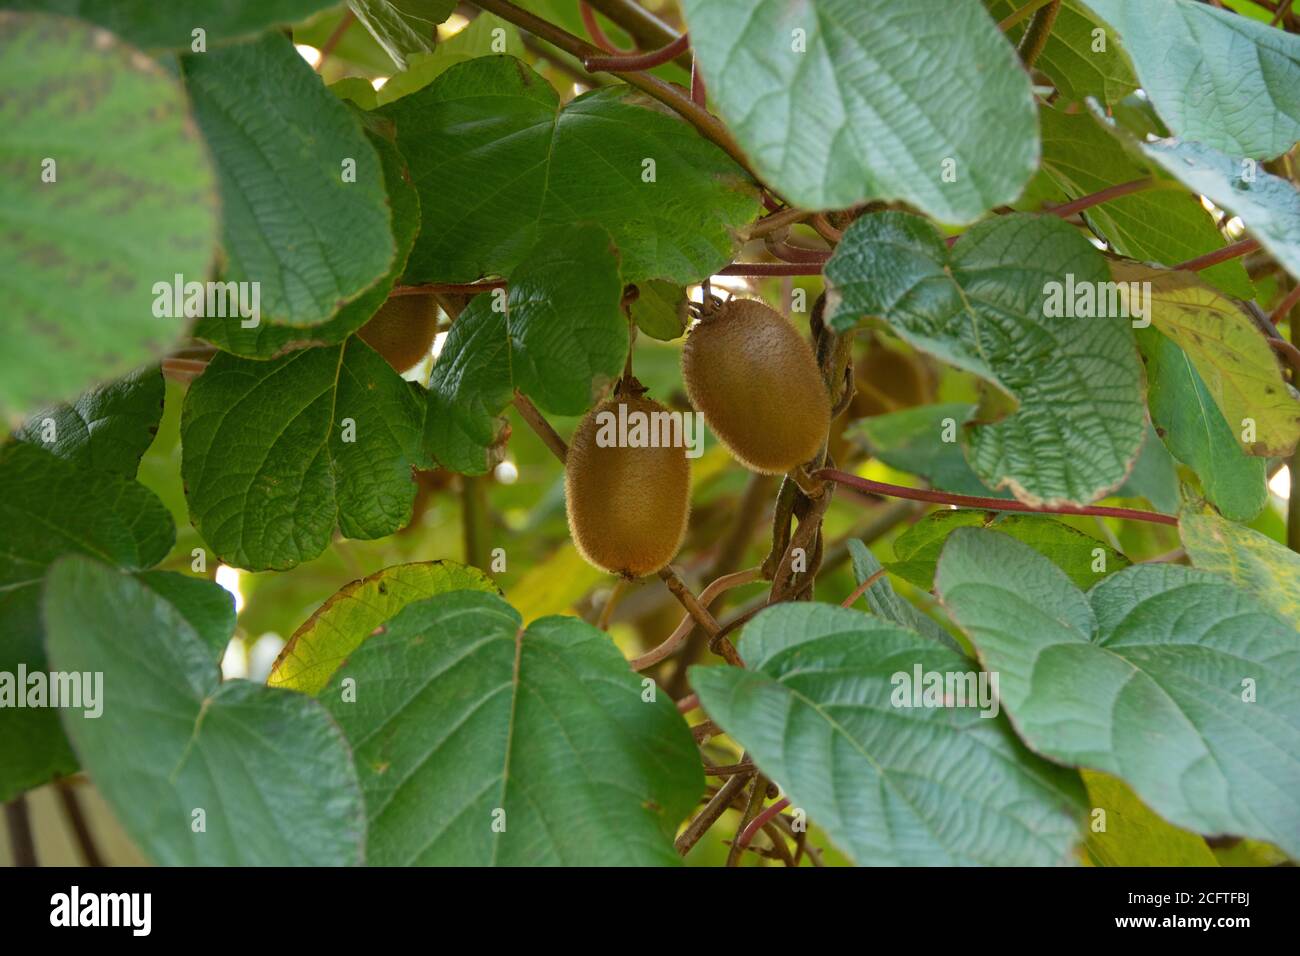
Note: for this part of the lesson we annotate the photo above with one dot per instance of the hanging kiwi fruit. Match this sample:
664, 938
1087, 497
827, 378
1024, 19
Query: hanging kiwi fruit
627, 506
755, 379
403, 329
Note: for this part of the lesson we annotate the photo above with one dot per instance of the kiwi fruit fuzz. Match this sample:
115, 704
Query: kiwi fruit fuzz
403, 329
755, 379
627, 506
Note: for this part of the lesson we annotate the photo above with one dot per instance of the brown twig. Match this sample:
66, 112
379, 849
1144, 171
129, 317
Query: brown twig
761, 269
715, 808
717, 641
989, 504
862, 588
1036, 34
634, 62
77, 820
1241, 248
335, 36
529, 413
19, 821
683, 631
640, 24
1286, 305
760, 821
757, 794
1067, 209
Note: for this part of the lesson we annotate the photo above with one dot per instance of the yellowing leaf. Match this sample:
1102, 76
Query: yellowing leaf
1254, 561
1133, 834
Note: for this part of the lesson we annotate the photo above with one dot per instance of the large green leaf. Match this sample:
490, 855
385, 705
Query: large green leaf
171, 25
481, 743
559, 338
342, 623
130, 200
1238, 366
1164, 223
1133, 835
1168, 677
1214, 77
497, 160
52, 503
1071, 58
284, 146
885, 603
918, 548
1255, 562
271, 339
1267, 204
269, 770
276, 454
981, 307
884, 100
818, 709
1196, 433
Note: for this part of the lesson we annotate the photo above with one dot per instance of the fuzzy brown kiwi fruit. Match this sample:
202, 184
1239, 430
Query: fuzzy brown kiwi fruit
403, 329
627, 506
756, 381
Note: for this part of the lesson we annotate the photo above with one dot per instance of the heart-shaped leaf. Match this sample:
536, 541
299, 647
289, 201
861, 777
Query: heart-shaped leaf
825, 709
173, 744
841, 101
983, 307
557, 337
303, 202
277, 454
1167, 677
106, 193
481, 743
497, 160
1189, 58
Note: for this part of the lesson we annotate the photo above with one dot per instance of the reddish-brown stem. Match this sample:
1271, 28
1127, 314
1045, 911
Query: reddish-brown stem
792, 253
1286, 305
760, 821
688, 703
760, 269
825, 229
775, 221
1289, 352
448, 288
593, 28
1067, 209
1244, 247
335, 36
683, 631
77, 820
22, 847
633, 62
862, 588
989, 504
699, 95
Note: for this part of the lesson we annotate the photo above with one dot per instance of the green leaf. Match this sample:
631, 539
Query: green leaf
884, 603
1255, 562
560, 338
1163, 223
342, 623
1196, 433
475, 40
1167, 677
1154, 477
497, 160
271, 340
660, 310
1074, 552
397, 30
170, 25
52, 504
1071, 59
981, 306
1268, 205
819, 708
282, 145
269, 468
911, 440
883, 101
107, 429
481, 743
297, 802
1236, 363
1215, 77
207, 607
132, 202
1134, 836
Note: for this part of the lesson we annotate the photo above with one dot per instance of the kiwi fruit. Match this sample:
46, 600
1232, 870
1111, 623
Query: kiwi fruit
403, 329
627, 506
756, 381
